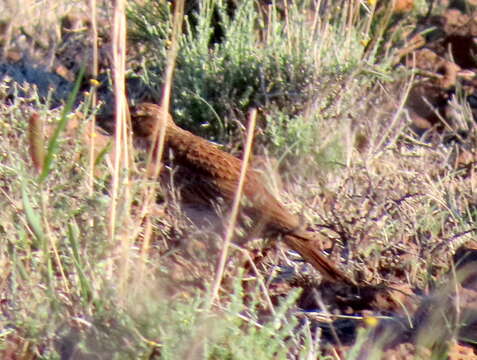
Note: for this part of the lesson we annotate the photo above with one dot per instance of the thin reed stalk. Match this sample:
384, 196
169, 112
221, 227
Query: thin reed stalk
234, 212
159, 131
94, 72
121, 167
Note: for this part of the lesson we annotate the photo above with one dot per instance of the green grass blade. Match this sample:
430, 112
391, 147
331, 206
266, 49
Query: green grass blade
53, 143
102, 153
33, 218
85, 288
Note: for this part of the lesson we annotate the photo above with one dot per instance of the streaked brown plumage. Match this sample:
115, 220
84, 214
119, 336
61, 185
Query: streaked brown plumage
216, 175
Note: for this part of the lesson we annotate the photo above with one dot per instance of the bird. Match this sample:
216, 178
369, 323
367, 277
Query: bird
212, 176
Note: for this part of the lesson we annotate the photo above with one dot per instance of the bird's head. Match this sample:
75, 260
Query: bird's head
147, 117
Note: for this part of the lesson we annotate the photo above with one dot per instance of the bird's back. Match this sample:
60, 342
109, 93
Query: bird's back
221, 171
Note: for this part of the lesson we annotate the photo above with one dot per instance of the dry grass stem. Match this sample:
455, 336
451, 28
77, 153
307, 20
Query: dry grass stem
94, 40
154, 163
120, 181
234, 211
52, 239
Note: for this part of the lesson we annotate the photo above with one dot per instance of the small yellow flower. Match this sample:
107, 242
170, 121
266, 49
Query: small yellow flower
94, 82
371, 321
372, 2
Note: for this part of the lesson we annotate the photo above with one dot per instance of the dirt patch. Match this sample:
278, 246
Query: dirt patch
445, 58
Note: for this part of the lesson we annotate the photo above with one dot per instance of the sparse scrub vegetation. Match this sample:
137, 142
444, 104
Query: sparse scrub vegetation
340, 145
217, 80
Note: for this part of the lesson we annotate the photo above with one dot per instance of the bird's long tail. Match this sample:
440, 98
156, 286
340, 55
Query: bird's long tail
312, 254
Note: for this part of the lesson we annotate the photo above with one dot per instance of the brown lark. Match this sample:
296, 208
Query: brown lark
213, 174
